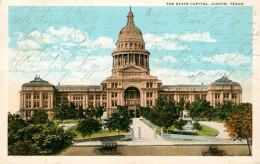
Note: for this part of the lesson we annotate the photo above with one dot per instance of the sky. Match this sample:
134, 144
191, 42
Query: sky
73, 45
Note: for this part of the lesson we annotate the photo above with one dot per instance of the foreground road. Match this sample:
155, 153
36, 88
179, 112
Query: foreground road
233, 150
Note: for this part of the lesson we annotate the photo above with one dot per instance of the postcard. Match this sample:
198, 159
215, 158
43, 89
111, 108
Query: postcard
129, 82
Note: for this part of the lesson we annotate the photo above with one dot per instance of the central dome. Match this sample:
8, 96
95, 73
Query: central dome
130, 32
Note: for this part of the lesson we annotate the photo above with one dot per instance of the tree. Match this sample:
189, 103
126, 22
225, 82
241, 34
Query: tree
65, 112
164, 114
39, 117
239, 125
197, 126
88, 126
79, 113
120, 120
99, 112
180, 105
15, 123
209, 113
22, 148
179, 124
40, 139
223, 110
198, 107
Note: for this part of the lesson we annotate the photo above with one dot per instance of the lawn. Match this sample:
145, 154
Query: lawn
102, 133
68, 121
208, 131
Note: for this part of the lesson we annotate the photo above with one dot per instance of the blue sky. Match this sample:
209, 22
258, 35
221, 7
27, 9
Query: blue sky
188, 45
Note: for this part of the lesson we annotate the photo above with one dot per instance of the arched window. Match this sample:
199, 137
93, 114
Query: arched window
135, 45
122, 45
131, 45
126, 45
142, 47
139, 45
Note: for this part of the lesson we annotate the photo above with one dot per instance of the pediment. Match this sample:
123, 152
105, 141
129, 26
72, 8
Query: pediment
133, 68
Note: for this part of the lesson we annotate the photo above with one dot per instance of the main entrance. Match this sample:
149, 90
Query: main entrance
132, 99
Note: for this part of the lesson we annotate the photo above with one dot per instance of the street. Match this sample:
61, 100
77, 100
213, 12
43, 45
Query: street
183, 150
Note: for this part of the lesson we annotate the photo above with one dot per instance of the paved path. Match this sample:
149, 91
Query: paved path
147, 133
219, 126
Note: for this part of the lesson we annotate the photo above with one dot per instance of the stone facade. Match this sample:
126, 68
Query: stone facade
130, 84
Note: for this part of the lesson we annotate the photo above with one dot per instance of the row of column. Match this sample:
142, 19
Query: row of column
32, 100
127, 59
86, 100
238, 98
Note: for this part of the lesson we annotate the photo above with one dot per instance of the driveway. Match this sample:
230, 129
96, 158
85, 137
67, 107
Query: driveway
145, 131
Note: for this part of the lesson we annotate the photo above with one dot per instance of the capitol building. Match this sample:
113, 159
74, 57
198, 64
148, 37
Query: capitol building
130, 84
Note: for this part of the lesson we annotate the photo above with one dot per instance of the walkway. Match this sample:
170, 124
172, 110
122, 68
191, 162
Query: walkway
146, 133
219, 126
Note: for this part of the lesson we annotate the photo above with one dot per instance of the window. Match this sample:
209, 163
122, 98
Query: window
36, 96
97, 97
77, 97
234, 95
45, 96
114, 85
45, 104
65, 97
28, 113
104, 97
28, 104
28, 96
149, 85
91, 97
149, 94
226, 95
36, 105
217, 95
149, 103
114, 95
171, 97
114, 103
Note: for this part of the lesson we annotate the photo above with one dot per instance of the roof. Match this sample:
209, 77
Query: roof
184, 86
130, 31
37, 82
224, 81
78, 86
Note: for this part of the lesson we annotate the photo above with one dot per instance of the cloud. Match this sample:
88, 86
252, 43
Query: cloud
188, 37
104, 42
166, 58
181, 76
28, 45
69, 37
161, 43
233, 59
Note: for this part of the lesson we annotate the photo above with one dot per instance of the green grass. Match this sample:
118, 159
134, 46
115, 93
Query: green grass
208, 131
68, 121
102, 133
